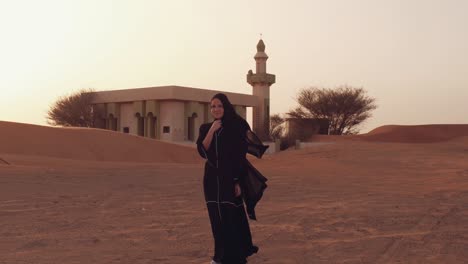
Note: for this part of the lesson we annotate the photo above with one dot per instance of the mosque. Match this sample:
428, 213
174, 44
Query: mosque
174, 113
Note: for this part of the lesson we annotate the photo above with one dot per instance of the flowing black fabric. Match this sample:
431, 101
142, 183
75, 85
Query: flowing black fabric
253, 184
225, 166
255, 146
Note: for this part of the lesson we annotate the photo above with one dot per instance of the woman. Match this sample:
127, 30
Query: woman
224, 144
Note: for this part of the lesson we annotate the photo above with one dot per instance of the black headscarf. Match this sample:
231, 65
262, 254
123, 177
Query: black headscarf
230, 117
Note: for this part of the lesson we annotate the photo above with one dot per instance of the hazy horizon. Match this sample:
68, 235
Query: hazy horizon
412, 56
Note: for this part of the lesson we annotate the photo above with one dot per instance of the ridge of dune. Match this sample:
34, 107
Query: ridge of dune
89, 144
4, 162
332, 138
416, 133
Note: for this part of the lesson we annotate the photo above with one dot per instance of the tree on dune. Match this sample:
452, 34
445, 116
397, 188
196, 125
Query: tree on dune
73, 110
345, 107
276, 129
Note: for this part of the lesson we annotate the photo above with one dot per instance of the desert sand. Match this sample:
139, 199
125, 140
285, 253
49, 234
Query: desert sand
398, 194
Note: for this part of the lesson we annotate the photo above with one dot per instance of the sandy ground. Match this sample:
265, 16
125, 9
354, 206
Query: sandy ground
355, 201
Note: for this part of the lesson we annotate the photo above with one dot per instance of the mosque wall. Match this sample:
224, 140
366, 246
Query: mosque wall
128, 121
172, 120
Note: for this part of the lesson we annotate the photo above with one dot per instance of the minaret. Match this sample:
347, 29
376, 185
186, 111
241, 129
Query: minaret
261, 81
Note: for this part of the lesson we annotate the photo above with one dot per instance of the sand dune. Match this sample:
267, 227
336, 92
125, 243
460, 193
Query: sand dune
403, 134
356, 201
416, 134
88, 144
102, 145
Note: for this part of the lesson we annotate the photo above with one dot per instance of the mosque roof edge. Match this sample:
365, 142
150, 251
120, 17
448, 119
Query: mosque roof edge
172, 92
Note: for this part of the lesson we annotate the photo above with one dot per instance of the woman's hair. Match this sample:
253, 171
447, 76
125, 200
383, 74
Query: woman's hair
229, 111
231, 119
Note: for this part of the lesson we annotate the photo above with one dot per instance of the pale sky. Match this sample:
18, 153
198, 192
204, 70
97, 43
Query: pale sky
411, 55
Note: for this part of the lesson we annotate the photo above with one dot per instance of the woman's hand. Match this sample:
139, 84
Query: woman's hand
216, 125
209, 136
237, 190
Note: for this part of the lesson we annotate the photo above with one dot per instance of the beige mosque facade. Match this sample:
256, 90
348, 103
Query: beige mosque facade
174, 113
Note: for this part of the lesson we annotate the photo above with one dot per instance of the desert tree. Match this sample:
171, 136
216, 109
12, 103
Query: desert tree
345, 107
75, 110
276, 126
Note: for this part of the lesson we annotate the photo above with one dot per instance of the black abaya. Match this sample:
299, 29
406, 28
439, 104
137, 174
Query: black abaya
225, 165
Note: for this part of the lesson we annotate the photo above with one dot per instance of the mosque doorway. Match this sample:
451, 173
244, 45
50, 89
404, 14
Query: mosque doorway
140, 125
152, 125
191, 127
112, 122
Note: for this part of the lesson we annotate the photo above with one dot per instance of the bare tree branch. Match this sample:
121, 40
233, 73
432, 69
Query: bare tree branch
345, 107
73, 110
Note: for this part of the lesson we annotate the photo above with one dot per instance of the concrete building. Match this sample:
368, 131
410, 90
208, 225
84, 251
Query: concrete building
304, 128
174, 113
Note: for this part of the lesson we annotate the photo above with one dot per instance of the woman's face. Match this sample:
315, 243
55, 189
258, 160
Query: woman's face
217, 109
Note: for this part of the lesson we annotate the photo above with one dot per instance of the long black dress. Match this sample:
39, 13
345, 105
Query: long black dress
225, 166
